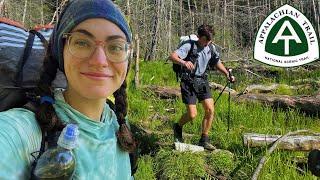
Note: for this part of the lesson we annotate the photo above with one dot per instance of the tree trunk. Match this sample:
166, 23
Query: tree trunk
191, 16
137, 69
57, 10
2, 8
150, 55
42, 16
181, 18
170, 28
128, 10
224, 22
316, 16
24, 11
250, 23
307, 104
298, 143
209, 7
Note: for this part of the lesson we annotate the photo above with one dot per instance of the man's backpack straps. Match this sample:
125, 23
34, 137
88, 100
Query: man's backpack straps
177, 68
26, 54
213, 60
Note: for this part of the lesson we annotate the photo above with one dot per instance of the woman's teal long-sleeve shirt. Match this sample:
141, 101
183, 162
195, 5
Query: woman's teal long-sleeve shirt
98, 155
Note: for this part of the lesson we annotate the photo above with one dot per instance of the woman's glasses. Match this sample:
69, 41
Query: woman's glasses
83, 46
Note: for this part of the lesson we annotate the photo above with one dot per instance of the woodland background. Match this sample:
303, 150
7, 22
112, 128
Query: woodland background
160, 23
264, 99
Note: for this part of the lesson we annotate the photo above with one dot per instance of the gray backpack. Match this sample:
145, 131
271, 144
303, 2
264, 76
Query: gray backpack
21, 59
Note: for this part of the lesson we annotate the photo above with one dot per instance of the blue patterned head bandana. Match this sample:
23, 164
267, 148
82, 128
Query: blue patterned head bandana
78, 11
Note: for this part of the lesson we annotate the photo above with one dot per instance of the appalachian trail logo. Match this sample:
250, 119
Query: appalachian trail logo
286, 38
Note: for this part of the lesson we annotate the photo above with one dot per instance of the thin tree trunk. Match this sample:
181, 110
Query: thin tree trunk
136, 76
57, 10
42, 16
224, 23
209, 7
250, 22
150, 55
181, 19
191, 16
316, 17
202, 12
24, 11
128, 12
2, 8
169, 28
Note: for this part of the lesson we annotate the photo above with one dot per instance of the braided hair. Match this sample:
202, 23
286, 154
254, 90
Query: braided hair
50, 122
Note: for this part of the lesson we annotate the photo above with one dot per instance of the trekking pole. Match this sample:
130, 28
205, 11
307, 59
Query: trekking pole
221, 93
229, 97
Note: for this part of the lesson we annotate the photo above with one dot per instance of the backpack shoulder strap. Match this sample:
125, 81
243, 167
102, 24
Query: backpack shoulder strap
41, 37
26, 54
22, 61
191, 48
213, 53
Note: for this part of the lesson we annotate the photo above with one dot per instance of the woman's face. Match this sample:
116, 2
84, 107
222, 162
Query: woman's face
96, 76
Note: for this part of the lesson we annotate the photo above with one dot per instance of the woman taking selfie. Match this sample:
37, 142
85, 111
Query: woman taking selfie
91, 45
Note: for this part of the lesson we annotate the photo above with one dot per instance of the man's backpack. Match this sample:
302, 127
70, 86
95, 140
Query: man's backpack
21, 58
192, 39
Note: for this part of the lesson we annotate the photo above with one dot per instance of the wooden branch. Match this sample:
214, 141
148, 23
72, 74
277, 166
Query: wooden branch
56, 13
301, 143
269, 152
254, 73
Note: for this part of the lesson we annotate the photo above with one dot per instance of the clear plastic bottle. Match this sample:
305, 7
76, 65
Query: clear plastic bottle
59, 162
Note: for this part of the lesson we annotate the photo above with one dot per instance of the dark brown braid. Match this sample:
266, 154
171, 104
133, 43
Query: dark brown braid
45, 114
124, 135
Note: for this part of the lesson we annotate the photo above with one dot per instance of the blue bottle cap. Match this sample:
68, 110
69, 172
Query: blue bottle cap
71, 132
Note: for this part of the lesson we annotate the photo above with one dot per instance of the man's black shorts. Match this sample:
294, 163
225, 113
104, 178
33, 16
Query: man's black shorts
189, 95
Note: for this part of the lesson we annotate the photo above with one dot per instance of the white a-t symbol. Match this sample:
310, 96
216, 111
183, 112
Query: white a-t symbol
286, 38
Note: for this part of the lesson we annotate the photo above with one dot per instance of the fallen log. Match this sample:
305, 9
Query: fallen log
274, 146
165, 92
174, 92
220, 87
298, 142
307, 104
260, 88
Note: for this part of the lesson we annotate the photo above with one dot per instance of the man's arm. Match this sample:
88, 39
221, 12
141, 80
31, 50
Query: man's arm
222, 69
174, 57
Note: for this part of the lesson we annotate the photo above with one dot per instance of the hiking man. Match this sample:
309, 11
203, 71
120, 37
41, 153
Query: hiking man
194, 57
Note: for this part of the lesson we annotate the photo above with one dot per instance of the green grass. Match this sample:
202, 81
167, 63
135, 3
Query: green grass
146, 170
148, 110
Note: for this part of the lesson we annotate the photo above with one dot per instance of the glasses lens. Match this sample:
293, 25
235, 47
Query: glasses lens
81, 46
117, 50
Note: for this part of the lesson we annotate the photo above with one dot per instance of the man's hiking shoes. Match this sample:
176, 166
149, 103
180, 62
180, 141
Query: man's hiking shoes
177, 132
207, 145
